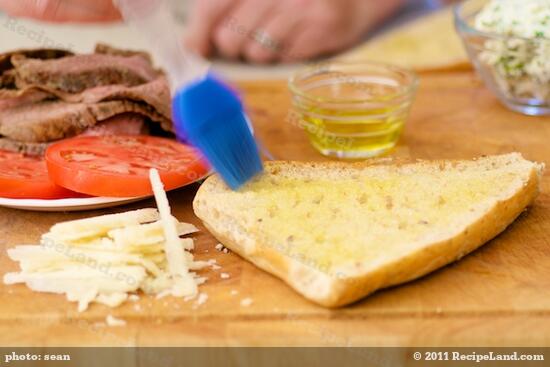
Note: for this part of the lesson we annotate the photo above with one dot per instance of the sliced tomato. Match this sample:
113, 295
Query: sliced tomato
26, 177
118, 166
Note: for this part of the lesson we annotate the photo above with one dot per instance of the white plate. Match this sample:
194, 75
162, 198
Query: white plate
61, 205
77, 204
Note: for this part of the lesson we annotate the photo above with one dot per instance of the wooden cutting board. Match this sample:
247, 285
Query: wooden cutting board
498, 295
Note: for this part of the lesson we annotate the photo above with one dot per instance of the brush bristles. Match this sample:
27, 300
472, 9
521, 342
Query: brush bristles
219, 130
231, 150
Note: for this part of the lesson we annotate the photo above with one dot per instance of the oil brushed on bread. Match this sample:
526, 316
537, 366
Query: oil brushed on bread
337, 232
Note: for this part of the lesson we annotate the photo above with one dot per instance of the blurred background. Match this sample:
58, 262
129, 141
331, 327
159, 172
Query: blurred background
25, 33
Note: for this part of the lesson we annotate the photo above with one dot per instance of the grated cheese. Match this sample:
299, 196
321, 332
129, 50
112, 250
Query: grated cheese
203, 297
107, 259
110, 320
89, 227
177, 264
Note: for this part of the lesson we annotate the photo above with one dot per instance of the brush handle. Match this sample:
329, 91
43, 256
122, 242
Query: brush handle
154, 21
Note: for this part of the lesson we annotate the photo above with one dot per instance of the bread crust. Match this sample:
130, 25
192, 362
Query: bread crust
332, 291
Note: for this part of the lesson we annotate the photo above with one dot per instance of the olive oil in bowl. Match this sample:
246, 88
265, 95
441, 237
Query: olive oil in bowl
352, 110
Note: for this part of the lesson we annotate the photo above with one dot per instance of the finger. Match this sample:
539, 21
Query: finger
62, 10
22, 8
278, 30
202, 22
79, 11
307, 43
235, 30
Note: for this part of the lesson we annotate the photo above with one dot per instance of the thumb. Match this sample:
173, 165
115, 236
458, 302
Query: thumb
46, 9
62, 10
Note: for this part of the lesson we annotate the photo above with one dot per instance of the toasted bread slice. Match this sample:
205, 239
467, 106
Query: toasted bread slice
337, 232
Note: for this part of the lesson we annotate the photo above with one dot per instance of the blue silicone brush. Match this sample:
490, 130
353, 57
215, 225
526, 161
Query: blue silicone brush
206, 112
211, 117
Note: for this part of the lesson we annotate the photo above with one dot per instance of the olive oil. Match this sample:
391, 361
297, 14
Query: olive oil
352, 115
354, 135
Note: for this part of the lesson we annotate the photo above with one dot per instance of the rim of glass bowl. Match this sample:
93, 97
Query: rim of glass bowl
407, 88
463, 26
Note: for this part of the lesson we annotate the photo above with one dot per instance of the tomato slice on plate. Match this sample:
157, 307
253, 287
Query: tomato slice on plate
26, 177
118, 166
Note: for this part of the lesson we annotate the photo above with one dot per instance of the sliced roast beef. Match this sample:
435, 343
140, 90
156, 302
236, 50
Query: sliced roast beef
155, 94
22, 147
104, 110
52, 120
76, 73
14, 98
45, 121
45, 97
123, 124
7, 71
41, 53
7, 80
102, 48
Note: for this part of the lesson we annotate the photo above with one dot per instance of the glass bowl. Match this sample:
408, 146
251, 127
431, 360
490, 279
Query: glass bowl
352, 109
513, 68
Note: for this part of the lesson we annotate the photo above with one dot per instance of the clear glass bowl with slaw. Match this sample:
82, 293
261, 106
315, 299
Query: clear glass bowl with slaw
508, 42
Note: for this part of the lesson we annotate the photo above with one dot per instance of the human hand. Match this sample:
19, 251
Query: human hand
62, 10
281, 30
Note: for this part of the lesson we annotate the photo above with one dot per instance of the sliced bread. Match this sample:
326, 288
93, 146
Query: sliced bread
429, 43
337, 232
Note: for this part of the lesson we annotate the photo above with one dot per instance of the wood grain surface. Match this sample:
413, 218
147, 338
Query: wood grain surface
496, 296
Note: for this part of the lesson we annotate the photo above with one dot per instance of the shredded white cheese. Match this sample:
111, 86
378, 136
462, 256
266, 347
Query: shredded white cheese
202, 298
107, 259
177, 263
246, 302
133, 298
113, 321
213, 265
89, 227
